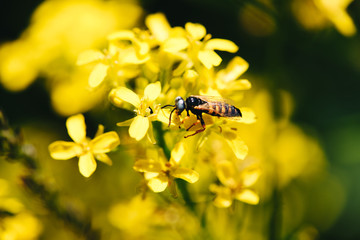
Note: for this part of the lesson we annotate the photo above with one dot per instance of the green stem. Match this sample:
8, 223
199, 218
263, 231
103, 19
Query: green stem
159, 135
182, 185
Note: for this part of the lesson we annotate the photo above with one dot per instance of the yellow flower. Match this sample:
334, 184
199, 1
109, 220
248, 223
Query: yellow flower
72, 26
316, 14
202, 46
135, 214
16, 221
235, 185
159, 173
141, 124
335, 11
227, 79
87, 150
120, 60
198, 44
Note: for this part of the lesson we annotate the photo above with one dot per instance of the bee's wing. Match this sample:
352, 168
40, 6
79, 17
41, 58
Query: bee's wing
210, 98
214, 99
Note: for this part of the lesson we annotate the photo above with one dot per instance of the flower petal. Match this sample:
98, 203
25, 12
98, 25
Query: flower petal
125, 123
209, 58
152, 91
98, 74
100, 130
248, 115
225, 171
150, 175
159, 183
147, 166
158, 25
103, 158
62, 150
163, 116
139, 127
121, 35
125, 94
236, 143
188, 175
104, 142
174, 45
178, 152
87, 164
248, 196
89, 56
223, 197
76, 128
196, 30
250, 176
241, 84
150, 134
221, 44
236, 67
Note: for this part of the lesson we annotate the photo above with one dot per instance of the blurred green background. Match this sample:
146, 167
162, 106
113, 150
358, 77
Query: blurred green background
320, 67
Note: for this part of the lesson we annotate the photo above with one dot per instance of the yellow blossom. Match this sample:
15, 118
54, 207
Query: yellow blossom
317, 14
16, 222
87, 150
134, 215
159, 173
228, 79
335, 11
58, 32
235, 184
121, 58
198, 45
202, 46
140, 125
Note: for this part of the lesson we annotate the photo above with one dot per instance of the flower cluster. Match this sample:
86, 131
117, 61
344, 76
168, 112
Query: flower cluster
145, 70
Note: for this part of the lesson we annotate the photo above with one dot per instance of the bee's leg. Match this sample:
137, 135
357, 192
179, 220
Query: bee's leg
202, 121
197, 131
199, 120
195, 123
186, 118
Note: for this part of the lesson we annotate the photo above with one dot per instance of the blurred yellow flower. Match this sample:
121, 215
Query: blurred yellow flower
160, 173
22, 226
70, 94
16, 223
140, 125
59, 31
317, 14
335, 11
235, 184
136, 214
87, 150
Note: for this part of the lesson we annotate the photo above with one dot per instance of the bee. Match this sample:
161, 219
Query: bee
215, 106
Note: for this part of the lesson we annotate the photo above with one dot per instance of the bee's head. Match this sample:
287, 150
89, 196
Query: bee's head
180, 104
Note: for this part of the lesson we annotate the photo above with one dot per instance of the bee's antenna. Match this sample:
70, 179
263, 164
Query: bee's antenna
170, 116
169, 105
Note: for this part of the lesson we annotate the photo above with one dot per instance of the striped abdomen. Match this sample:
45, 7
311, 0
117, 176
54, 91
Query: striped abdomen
220, 109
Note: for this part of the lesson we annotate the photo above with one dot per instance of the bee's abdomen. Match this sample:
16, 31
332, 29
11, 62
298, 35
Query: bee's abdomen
222, 109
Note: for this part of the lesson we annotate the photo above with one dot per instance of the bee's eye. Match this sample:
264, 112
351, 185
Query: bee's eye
180, 105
